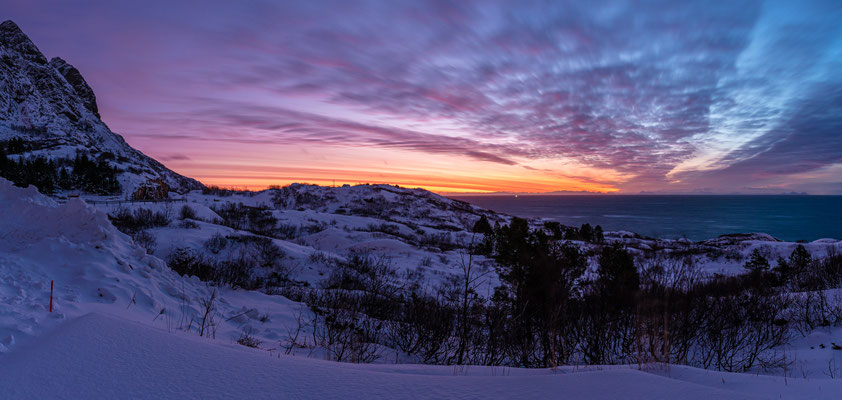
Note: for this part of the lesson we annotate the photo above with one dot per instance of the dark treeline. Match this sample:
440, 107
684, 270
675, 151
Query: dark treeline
49, 175
551, 310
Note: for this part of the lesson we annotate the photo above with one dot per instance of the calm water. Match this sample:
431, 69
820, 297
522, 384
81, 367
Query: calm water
694, 217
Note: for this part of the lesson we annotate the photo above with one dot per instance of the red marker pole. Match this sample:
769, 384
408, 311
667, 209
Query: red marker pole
51, 295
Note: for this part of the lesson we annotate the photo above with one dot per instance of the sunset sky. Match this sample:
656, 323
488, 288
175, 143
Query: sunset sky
521, 96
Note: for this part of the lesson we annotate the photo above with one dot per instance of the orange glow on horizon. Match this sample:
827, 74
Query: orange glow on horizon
257, 167
441, 188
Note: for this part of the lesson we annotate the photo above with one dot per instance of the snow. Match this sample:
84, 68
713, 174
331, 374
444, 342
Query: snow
101, 356
38, 104
123, 325
334, 221
119, 325
104, 356
95, 267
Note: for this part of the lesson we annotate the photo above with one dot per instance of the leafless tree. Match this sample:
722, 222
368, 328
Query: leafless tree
208, 324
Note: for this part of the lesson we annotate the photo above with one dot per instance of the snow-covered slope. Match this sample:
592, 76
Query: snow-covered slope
49, 105
121, 327
124, 324
725, 254
420, 232
94, 267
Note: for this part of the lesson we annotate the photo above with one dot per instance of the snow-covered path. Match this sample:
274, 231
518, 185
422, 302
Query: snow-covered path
100, 356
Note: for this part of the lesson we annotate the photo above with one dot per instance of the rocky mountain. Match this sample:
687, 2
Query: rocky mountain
49, 107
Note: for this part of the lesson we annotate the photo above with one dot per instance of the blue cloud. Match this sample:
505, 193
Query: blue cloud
718, 95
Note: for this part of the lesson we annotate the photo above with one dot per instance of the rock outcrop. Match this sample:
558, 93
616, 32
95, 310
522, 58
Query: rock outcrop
51, 108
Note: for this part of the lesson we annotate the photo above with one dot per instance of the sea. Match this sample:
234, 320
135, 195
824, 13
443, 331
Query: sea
695, 217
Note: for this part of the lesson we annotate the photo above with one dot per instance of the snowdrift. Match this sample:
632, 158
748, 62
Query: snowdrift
94, 267
99, 356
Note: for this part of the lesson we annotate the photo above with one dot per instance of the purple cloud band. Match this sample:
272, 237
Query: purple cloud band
636, 88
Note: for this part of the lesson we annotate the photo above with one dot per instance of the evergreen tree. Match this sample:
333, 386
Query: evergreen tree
49, 175
586, 233
539, 277
757, 262
598, 235
800, 258
618, 276
554, 229
483, 226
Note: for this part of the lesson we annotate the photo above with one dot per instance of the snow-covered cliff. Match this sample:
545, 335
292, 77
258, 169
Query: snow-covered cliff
49, 105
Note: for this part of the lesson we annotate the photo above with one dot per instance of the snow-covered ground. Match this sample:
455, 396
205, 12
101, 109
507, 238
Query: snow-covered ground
406, 225
94, 267
124, 325
104, 356
320, 230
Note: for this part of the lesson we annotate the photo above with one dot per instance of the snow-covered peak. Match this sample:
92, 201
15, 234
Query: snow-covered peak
13, 38
50, 106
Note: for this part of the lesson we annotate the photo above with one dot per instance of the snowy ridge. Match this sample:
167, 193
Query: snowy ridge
49, 105
387, 202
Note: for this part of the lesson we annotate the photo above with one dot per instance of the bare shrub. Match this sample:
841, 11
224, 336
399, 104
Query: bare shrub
216, 243
233, 215
141, 219
261, 221
287, 231
187, 212
741, 331
146, 240
442, 241
268, 253
248, 339
187, 224
295, 336
810, 310
342, 330
208, 323
186, 261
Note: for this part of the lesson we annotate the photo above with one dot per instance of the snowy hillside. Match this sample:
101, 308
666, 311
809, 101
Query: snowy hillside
124, 324
50, 108
413, 206
94, 267
133, 290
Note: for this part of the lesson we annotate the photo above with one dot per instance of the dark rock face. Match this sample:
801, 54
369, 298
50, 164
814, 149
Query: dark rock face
33, 94
75, 79
50, 106
14, 39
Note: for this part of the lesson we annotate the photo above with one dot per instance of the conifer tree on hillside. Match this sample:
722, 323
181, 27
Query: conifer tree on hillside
483, 226
756, 262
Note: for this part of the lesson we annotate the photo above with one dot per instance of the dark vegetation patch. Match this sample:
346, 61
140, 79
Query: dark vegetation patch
549, 311
81, 173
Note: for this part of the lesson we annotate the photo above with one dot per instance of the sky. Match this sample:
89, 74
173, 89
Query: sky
467, 96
